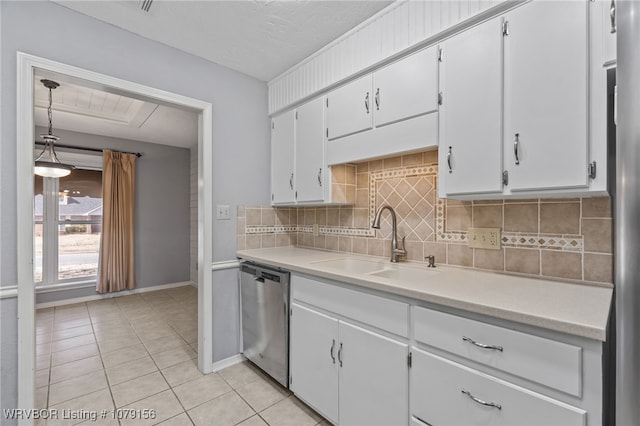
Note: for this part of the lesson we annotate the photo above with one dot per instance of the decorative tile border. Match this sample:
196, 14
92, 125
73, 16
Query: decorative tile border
411, 190
322, 230
541, 241
509, 239
350, 232
277, 229
374, 177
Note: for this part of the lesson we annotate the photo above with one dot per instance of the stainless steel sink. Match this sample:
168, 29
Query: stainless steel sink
404, 273
353, 265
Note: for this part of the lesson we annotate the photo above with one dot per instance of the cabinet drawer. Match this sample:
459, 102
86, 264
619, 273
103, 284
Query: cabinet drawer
437, 398
385, 314
548, 362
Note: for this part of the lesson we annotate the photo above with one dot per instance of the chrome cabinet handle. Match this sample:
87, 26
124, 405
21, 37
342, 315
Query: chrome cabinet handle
482, 345
291, 181
320, 176
378, 99
449, 160
366, 102
333, 346
481, 402
612, 15
516, 144
340, 355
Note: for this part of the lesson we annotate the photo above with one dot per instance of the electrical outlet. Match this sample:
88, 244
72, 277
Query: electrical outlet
222, 212
485, 238
316, 231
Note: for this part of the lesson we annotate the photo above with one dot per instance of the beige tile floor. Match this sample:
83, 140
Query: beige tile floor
139, 352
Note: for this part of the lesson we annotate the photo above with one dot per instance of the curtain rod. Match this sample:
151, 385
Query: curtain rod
137, 154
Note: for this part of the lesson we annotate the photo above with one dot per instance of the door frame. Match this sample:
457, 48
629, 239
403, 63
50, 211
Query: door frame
27, 65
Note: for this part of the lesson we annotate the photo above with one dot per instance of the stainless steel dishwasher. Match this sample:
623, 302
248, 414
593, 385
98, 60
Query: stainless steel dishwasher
265, 319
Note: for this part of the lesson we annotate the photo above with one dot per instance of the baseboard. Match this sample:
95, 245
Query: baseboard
111, 295
227, 362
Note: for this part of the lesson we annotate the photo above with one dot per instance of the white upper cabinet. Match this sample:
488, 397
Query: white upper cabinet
309, 152
523, 105
349, 108
470, 154
406, 88
391, 111
609, 30
282, 157
299, 172
546, 87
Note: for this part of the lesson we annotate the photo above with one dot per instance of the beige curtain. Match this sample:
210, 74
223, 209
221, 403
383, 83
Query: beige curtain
116, 270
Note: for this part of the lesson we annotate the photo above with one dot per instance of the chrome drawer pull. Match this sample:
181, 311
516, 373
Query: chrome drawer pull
482, 345
340, 355
481, 402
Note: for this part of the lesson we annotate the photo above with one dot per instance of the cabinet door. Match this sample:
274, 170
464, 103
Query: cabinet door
546, 84
470, 152
373, 378
406, 88
350, 108
282, 156
313, 360
609, 31
310, 170
442, 391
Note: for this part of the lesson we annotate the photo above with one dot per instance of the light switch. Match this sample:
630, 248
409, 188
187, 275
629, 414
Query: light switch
222, 212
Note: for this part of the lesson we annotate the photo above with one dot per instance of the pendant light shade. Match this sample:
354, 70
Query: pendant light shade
47, 163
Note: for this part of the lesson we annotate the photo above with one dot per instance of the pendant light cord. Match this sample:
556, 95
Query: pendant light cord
50, 113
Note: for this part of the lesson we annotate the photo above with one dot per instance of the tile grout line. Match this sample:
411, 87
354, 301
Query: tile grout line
175, 299
104, 368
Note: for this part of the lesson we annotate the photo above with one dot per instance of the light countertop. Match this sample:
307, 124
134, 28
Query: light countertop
576, 309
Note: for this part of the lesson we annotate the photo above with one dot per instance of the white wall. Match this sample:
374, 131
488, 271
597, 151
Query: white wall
240, 127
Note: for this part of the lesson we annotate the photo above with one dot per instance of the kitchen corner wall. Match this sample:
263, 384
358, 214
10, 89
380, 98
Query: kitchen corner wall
569, 238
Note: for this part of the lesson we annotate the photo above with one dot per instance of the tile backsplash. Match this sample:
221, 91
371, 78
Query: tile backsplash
560, 238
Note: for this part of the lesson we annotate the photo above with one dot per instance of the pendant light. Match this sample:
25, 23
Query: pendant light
47, 163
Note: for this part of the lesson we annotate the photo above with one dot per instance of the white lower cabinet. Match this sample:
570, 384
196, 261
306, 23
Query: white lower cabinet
350, 374
360, 358
312, 359
447, 393
373, 378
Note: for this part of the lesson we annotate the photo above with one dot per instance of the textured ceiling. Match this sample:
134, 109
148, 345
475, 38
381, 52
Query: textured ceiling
259, 38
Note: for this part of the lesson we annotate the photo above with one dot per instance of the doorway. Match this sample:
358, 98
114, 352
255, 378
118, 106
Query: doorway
28, 66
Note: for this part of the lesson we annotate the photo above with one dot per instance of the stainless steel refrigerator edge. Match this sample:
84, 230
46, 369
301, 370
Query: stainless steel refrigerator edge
627, 215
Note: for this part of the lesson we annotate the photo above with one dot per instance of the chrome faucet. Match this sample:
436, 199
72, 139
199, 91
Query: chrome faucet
395, 250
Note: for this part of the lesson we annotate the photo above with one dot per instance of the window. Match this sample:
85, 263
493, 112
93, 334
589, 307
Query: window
68, 223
